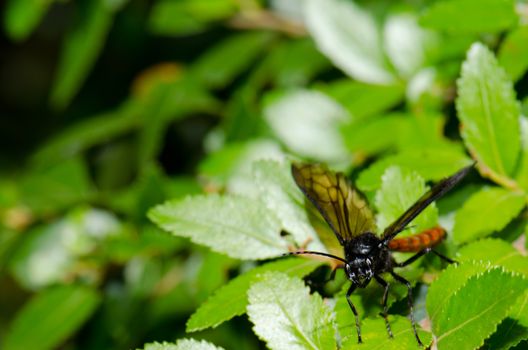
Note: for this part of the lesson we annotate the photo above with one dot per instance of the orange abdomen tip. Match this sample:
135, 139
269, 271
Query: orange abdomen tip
415, 243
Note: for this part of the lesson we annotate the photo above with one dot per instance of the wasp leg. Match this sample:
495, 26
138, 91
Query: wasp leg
353, 308
385, 285
413, 258
443, 257
409, 302
421, 253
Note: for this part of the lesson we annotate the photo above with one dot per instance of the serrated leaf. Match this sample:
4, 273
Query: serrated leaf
450, 281
470, 16
51, 317
363, 99
513, 53
21, 17
495, 252
286, 316
182, 344
509, 335
489, 113
308, 123
349, 36
81, 49
480, 306
399, 190
487, 210
231, 300
239, 227
431, 163
274, 186
375, 335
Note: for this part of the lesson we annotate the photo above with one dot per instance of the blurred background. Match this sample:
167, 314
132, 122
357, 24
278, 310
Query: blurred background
109, 107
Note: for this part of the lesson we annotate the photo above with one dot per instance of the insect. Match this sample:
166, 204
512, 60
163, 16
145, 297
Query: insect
366, 255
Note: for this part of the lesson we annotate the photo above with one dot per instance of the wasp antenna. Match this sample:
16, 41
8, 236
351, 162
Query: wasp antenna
307, 252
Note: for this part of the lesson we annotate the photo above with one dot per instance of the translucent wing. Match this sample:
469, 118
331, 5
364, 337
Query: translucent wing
433, 194
340, 205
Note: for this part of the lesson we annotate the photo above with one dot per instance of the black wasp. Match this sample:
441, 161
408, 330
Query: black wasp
367, 256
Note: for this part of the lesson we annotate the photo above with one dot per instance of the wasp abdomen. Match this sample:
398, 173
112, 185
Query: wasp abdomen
415, 243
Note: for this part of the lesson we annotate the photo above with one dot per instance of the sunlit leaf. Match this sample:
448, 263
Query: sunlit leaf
308, 123
522, 171
237, 226
407, 44
286, 316
349, 36
400, 189
489, 113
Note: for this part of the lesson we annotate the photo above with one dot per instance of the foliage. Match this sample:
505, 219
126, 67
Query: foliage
146, 195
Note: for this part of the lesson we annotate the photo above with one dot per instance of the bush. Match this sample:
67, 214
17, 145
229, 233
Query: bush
146, 198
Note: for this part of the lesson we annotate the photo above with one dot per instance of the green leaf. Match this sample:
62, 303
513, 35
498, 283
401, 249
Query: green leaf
522, 171
513, 54
470, 16
406, 43
480, 306
513, 329
182, 344
80, 51
55, 187
349, 36
495, 252
448, 283
400, 189
489, 113
488, 210
296, 62
231, 300
363, 99
186, 17
21, 17
308, 123
286, 316
51, 317
231, 166
373, 135
273, 185
92, 131
375, 336
239, 227
223, 62
431, 163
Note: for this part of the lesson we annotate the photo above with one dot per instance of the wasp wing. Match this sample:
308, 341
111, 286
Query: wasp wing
430, 196
347, 214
